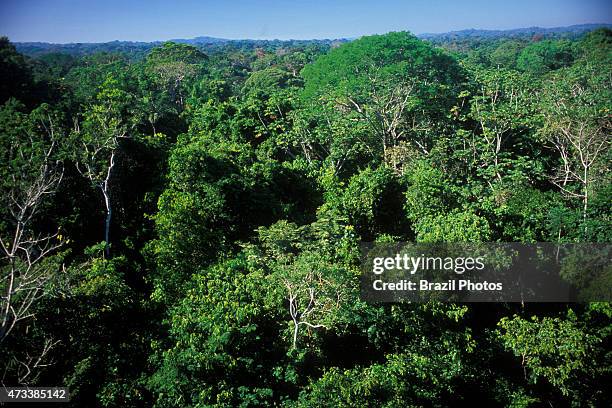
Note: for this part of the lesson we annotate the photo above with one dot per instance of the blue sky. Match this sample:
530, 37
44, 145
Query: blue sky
147, 20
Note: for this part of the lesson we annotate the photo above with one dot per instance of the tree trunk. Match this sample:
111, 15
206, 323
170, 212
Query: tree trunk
295, 333
107, 201
109, 213
585, 208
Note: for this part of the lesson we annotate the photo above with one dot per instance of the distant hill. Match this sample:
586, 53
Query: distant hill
137, 49
34, 49
204, 40
530, 32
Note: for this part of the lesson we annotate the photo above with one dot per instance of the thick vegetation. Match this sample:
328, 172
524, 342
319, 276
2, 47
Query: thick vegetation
182, 229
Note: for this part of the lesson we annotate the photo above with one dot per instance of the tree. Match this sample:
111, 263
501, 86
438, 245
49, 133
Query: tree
17, 81
372, 203
506, 53
172, 64
429, 191
31, 171
578, 125
544, 56
384, 81
86, 79
315, 291
502, 108
98, 139
555, 349
221, 341
327, 137
317, 285
404, 379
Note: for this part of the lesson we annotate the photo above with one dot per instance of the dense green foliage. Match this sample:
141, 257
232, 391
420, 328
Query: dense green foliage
203, 210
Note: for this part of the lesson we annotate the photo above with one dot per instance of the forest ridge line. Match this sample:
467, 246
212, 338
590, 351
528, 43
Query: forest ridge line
561, 31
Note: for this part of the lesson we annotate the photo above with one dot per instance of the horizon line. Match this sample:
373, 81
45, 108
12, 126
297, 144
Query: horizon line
308, 39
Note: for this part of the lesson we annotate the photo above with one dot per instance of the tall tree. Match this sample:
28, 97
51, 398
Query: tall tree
98, 138
30, 171
578, 125
172, 65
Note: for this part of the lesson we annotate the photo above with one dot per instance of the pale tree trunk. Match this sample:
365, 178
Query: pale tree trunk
105, 187
585, 205
299, 318
99, 172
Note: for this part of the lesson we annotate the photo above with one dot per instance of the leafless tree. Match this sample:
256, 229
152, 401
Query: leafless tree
312, 302
26, 267
27, 368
